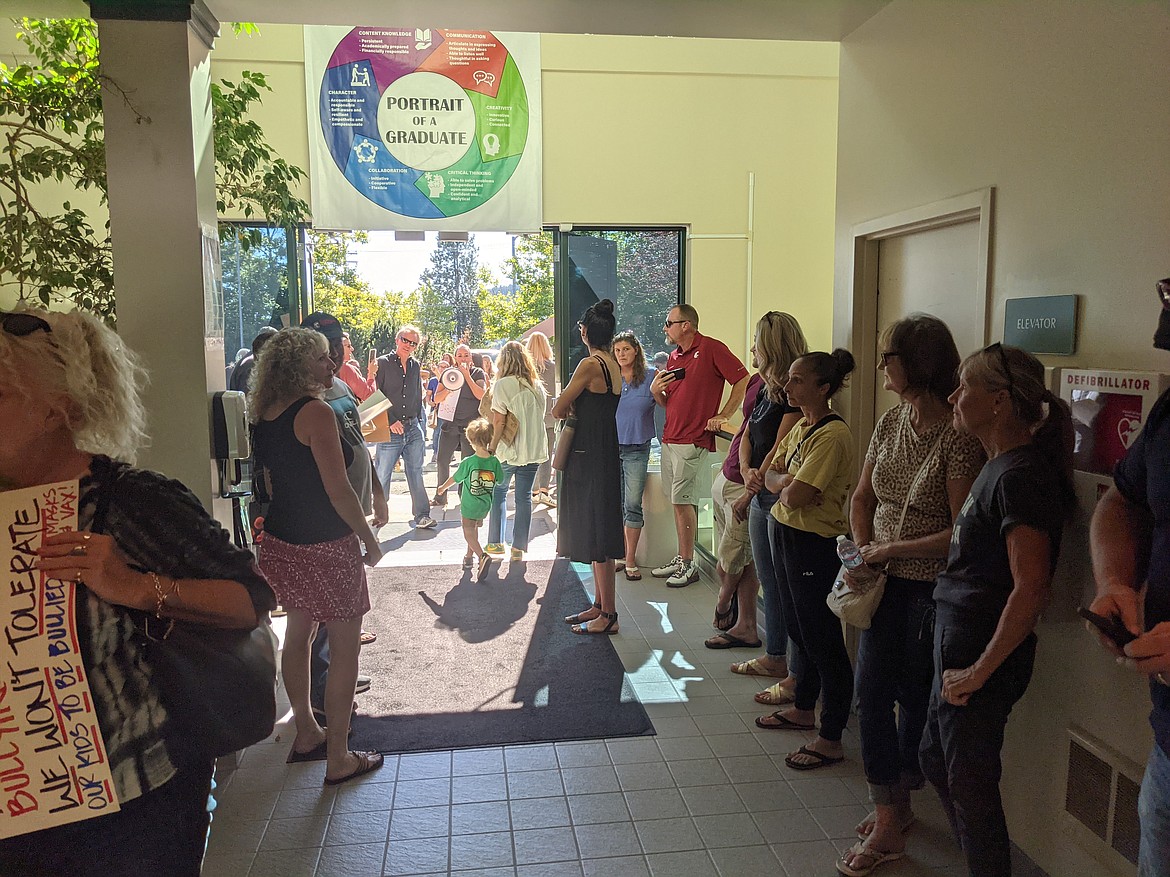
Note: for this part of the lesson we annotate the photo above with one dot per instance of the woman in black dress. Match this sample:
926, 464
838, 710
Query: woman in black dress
590, 527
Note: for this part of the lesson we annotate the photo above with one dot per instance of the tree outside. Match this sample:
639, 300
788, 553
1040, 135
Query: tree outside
52, 124
455, 279
508, 315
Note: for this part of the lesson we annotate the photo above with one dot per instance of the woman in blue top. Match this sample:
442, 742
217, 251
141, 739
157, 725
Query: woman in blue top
635, 425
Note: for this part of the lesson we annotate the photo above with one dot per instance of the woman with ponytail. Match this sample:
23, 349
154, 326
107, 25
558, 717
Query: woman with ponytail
990, 596
811, 471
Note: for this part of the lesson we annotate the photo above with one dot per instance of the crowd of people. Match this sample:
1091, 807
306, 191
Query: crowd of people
961, 501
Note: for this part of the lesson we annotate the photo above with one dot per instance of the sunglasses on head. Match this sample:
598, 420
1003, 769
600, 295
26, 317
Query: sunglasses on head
23, 324
1007, 369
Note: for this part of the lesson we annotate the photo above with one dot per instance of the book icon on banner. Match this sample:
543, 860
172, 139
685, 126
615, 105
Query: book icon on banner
422, 38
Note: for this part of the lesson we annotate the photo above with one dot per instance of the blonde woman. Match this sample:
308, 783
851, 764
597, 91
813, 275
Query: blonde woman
542, 360
313, 533
744, 502
144, 546
517, 390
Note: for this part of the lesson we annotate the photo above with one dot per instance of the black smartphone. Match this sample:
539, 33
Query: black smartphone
1111, 627
678, 373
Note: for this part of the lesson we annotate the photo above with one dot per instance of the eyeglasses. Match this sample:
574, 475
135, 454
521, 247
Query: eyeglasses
408, 342
1007, 369
23, 324
1164, 293
887, 355
670, 323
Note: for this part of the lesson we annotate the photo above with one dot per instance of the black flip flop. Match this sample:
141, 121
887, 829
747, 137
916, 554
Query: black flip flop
730, 642
783, 723
822, 760
317, 753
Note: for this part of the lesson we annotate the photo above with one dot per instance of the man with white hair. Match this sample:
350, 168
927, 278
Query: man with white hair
399, 377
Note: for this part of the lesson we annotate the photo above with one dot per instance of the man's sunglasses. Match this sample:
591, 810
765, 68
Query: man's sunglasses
408, 342
23, 324
670, 323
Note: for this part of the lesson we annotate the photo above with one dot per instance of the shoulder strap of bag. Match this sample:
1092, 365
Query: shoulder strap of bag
914, 483
828, 418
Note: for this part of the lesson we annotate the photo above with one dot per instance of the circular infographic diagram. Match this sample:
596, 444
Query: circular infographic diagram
425, 122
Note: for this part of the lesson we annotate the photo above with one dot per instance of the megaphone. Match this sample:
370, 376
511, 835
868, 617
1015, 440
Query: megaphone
452, 379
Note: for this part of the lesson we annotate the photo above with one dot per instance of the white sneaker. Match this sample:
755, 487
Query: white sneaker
671, 568
688, 574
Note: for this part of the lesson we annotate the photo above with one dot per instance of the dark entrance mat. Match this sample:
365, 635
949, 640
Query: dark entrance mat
460, 663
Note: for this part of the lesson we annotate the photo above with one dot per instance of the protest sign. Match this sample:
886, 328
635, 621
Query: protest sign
53, 765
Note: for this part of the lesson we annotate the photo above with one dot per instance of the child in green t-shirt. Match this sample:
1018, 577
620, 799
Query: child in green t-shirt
478, 475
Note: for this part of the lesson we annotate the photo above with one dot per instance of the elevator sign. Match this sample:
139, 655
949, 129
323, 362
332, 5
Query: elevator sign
1043, 324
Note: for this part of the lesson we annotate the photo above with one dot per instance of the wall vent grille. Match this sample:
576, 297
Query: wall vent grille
1101, 793
1126, 831
1089, 787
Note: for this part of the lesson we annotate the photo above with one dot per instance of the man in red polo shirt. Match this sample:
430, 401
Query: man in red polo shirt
690, 389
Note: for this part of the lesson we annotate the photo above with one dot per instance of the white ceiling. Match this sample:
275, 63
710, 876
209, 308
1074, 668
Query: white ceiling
726, 19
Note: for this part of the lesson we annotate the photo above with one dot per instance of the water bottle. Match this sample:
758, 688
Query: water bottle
851, 559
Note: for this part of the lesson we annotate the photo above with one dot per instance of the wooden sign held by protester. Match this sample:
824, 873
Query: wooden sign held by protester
53, 765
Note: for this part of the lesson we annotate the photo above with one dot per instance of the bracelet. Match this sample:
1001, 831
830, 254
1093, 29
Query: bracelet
160, 595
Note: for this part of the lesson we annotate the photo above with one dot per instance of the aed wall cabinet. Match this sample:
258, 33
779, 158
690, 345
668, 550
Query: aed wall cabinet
1042, 324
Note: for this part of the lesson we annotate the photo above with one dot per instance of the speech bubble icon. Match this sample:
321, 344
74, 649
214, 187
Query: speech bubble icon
483, 77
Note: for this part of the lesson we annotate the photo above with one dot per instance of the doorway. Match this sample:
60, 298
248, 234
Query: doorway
934, 259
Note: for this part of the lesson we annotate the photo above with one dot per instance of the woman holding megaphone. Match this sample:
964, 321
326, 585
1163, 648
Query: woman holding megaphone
460, 388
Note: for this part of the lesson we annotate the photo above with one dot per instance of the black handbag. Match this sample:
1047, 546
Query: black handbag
218, 685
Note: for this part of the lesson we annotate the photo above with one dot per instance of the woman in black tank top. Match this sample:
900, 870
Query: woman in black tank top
590, 529
311, 548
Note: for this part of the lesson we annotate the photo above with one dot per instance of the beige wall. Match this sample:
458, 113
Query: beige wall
1057, 105
645, 131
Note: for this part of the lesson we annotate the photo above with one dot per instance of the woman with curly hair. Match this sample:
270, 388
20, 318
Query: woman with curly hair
144, 550
313, 533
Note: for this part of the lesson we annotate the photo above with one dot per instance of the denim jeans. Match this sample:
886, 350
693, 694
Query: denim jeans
410, 447
635, 459
544, 473
895, 665
961, 746
767, 567
319, 667
525, 476
1154, 811
806, 572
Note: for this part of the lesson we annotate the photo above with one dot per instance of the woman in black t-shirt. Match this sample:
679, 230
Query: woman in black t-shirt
996, 583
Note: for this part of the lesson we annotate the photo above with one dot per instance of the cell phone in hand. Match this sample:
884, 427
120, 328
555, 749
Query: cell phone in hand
1111, 627
372, 358
677, 373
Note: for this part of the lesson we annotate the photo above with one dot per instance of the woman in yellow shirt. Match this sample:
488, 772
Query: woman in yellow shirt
811, 471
